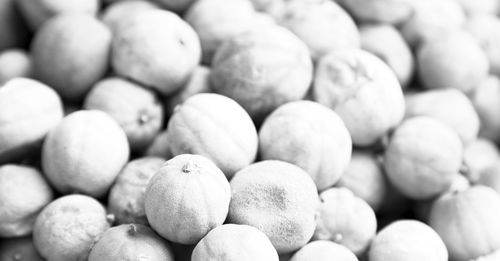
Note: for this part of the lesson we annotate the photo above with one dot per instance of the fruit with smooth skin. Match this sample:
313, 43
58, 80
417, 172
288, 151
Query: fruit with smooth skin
186, 198
278, 198
486, 101
68, 226
235, 243
84, 153
126, 196
323, 250
118, 13
485, 29
14, 63
28, 111
309, 135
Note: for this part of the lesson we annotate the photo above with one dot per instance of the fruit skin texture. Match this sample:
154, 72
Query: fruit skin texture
19, 207
309, 135
157, 49
130, 242
262, 69
36, 13
454, 60
309, 19
84, 153
28, 111
137, 110
216, 127
218, 20
119, 12
71, 53
408, 240
387, 43
126, 196
345, 219
365, 178
14, 63
186, 198
68, 226
323, 250
479, 156
235, 243
468, 222
362, 90
422, 157
486, 100
18, 249
279, 199
449, 106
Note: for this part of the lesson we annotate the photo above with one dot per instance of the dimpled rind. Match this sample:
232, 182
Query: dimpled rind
309, 135
278, 198
422, 157
235, 243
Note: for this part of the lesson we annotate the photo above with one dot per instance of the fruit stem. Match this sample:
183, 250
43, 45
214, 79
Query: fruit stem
188, 167
132, 229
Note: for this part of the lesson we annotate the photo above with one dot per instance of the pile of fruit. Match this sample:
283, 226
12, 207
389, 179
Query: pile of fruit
250, 130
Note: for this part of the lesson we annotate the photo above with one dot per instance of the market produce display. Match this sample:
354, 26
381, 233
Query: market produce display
250, 130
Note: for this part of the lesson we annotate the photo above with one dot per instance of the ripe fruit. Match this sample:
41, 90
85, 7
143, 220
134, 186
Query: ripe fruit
323, 250
310, 19
28, 111
62, 49
234, 243
126, 196
309, 135
216, 127
68, 226
157, 49
130, 242
262, 69
422, 157
408, 240
186, 198
84, 153
449, 106
468, 222
363, 91
486, 29
14, 63
279, 199
19, 207
345, 219
137, 110
365, 178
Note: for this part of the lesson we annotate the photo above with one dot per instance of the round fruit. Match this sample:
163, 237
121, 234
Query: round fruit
454, 60
449, 106
379, 11
486, 100
468, 222
218, 20
199, 82
137, 110
309, 135
19, 207
311, 19
422, 157
408, 240
160, 147
262, 69
279, 199
235, 243
130, 242
323, 251
14, 63
157, 49
479, 155
365, 178
68, 226
28, 111
345, 219
119, 13
387, 43
70, 53
18, 249
363, 90
84, 153
216, 127
36, 13
126, 196
186, 198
